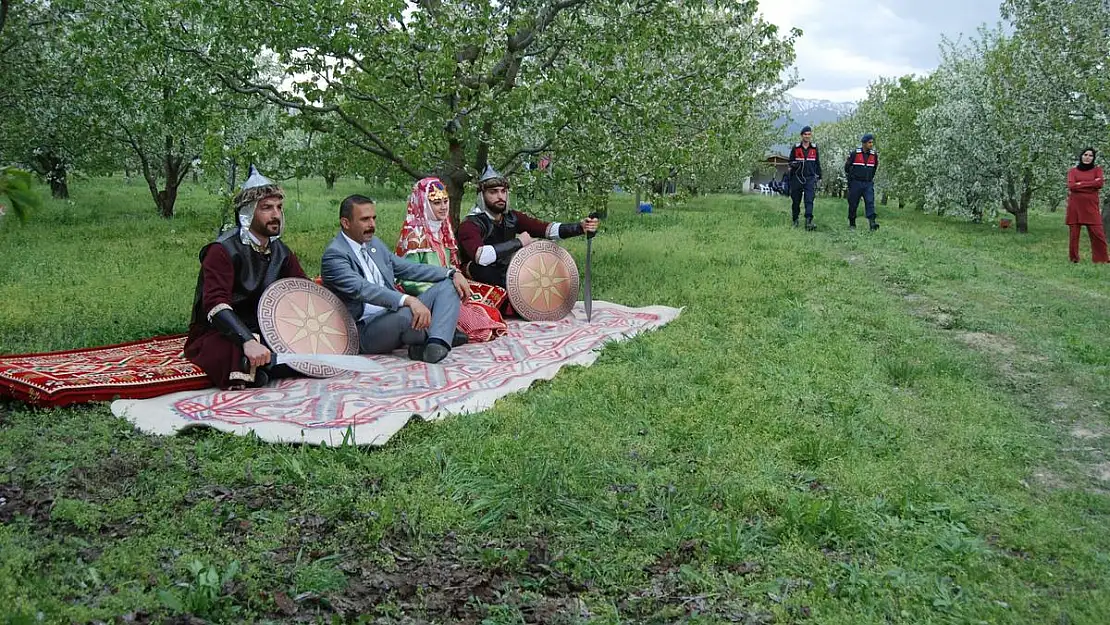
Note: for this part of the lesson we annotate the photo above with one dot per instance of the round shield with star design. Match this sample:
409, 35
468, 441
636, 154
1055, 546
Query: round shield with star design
298, 316
542, 282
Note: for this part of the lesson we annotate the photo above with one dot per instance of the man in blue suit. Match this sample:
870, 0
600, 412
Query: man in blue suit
360, 269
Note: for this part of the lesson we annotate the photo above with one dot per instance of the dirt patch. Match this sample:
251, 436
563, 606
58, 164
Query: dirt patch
451, 583
995, 541
107, 480
1102, 471
1045, 478
667, 598
1089, 432
16, 502
987, 342
942, 318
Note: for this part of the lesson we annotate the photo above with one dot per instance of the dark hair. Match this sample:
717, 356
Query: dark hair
346, 207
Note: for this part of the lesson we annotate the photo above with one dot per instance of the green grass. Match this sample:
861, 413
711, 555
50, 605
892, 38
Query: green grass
840, 428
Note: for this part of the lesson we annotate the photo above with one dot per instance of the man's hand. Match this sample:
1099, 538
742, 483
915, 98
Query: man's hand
589, 224
256, 353
462, 287
525, 238
421, 316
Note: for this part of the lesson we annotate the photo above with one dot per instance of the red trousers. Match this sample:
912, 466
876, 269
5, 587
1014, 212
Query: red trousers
1098, 243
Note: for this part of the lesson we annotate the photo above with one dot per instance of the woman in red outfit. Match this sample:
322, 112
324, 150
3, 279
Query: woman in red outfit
1084, 183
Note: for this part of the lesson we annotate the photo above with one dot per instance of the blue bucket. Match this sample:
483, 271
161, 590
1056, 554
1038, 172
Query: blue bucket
645, 207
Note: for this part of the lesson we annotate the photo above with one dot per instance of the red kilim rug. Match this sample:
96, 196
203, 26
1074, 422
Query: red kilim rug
136, 370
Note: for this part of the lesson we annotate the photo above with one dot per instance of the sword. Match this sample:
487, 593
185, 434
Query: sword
589, 259
359, 364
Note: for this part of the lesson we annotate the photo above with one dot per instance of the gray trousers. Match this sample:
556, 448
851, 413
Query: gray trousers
390, 330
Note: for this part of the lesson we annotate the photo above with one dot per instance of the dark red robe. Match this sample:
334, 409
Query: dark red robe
1083, 210
478, 230
221, 282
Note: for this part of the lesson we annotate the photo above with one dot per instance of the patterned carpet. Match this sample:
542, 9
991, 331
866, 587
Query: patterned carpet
368, 409
136, 370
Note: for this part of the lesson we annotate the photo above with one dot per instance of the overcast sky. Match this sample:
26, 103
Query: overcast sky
848, 43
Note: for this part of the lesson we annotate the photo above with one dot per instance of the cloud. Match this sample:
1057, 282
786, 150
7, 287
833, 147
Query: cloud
845, 46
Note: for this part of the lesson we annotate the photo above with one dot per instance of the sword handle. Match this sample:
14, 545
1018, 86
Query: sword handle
245, 364
590, 235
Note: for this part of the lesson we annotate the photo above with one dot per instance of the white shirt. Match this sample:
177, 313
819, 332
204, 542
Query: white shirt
373, 275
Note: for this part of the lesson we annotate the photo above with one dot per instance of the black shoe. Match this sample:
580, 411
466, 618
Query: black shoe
460, 338
851, 227
434, 352
795, 223
810, 225
874, 226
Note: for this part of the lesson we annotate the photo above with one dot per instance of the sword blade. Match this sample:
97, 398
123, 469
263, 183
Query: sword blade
589, 291
359, 364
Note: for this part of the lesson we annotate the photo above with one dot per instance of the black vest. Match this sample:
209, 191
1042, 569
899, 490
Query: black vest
253, 273
494, 233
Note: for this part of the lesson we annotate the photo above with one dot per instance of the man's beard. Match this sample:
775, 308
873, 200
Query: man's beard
271, 228
496, 208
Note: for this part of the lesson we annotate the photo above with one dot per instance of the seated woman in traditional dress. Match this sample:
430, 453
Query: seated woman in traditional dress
427, 237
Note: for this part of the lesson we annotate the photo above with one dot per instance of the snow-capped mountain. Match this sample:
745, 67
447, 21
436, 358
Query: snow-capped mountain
805, 112
825, 110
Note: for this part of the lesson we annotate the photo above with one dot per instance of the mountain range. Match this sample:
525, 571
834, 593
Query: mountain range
805, 112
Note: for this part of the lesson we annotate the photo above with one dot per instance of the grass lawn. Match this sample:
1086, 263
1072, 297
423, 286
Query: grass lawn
907, 426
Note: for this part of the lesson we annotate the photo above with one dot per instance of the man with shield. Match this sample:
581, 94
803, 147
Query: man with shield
492, 233
224, 337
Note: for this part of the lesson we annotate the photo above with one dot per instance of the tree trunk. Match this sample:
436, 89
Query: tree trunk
174, 168
329, 181
5, 7
1018, 205
165, 200
901, 203
53, 169
454, 176
455, 192
232, 175
59, 187
883, 200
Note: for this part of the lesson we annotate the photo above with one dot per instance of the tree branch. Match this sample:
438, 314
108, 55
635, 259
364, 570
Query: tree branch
383, 150
508, 166
503, 74
481, 157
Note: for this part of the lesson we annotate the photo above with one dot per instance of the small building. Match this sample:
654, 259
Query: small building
771, 169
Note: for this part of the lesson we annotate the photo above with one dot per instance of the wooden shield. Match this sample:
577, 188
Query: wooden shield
298, 316
542, 282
